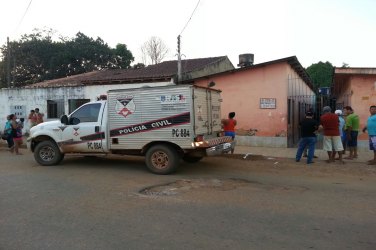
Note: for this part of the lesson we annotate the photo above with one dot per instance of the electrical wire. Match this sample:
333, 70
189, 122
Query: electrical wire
190, 17
19, 24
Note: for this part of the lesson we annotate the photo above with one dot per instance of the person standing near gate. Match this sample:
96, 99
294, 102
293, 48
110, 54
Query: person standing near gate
341, 130
332, 140
371, 128
308, 129
352, 129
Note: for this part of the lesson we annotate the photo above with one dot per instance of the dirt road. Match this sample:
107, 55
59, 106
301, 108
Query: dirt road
219, 203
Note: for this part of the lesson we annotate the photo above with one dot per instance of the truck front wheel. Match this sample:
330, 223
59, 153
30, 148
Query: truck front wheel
162, 159
47, 153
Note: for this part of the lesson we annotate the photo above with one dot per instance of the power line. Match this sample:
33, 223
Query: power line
190, 17
19, 24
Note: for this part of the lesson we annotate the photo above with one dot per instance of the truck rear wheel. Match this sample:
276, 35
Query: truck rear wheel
162, 159
47, 153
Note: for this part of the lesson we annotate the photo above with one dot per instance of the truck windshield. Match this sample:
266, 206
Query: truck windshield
87, 113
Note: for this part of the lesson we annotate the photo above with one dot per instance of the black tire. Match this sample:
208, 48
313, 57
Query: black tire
47, 153
162, 159
192, 159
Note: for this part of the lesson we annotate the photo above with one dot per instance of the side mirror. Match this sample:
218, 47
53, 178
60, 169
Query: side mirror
74, 121
64, 119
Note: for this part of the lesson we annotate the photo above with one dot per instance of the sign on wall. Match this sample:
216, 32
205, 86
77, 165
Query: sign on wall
19, 111
268, 103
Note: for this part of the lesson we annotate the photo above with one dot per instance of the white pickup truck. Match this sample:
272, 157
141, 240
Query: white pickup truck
165, 124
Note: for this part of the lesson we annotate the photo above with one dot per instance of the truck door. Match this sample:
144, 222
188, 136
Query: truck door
207, 109
215, 111
201, 111
85, 132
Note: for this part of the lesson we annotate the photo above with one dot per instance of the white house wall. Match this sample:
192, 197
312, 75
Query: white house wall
31, 98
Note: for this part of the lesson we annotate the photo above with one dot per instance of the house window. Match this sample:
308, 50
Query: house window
55, 108
73, 104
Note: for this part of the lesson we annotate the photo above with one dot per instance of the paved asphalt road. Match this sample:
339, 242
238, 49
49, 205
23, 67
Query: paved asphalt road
219, 203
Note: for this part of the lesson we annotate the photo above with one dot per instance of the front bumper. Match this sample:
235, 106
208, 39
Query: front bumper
220, 149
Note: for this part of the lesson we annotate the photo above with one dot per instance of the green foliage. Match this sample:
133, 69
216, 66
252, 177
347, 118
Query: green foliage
321, 74
123, 57
139, 66
36, 57
2, 74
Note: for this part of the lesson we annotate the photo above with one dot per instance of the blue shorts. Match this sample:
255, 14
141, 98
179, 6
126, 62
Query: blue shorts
229, 133
353, 141
372, 142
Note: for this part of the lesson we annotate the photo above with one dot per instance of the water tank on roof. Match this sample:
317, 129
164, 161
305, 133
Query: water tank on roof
245, 60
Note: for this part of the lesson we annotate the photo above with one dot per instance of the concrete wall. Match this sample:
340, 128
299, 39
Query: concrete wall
220, 66
31, 98
363, 89
241, 92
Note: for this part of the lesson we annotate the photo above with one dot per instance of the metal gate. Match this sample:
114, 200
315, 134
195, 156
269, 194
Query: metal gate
299, 100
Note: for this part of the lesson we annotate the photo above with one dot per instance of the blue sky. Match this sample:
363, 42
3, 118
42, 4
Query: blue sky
338, 31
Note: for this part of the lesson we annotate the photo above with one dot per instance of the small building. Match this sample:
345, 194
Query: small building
61, 96
355, 87
269, 99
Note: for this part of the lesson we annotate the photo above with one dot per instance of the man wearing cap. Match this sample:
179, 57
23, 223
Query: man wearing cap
332, 140
308, 127
342, 133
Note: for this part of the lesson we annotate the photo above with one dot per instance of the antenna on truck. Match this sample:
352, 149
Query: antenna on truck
179, 60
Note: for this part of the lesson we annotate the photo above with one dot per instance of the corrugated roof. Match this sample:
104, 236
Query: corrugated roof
162, 71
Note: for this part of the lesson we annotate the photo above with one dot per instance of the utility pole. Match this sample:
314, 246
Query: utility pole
14, 69
179, 61
8, 63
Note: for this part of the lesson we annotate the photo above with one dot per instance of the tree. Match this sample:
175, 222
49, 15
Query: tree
37, 57
321, 74
3, 80
138, 66
123, 57
154, 50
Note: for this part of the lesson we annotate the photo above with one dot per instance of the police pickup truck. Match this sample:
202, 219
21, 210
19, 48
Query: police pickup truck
164, 124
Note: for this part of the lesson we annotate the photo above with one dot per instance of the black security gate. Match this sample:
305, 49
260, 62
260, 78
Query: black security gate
300, 99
